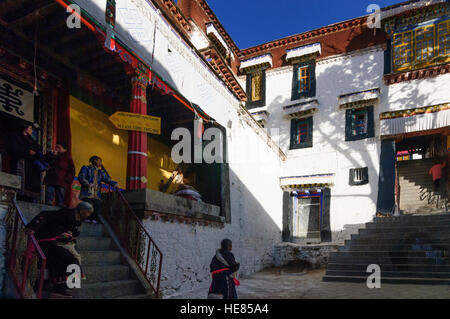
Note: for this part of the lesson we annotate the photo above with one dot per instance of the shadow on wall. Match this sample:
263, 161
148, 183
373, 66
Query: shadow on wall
351, 75
188, 249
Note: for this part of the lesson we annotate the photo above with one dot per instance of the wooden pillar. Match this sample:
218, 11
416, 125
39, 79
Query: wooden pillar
137, 141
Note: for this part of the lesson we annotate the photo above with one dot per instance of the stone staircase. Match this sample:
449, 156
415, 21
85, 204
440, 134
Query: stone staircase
107, 274
409, 250
416, 188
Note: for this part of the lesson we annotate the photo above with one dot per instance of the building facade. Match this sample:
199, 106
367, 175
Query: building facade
314, 126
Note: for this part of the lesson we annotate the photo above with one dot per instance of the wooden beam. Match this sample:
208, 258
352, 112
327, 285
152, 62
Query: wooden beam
7, 6
32, 17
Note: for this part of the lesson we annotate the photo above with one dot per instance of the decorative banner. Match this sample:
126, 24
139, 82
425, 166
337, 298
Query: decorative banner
136, 122
16, 101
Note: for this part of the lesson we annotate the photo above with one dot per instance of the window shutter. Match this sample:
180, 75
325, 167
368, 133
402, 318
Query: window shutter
294, 91
294, 133
312, 72
263, 89
370, 123
351, 177
348, 125
388, 58
248, 88
309, 142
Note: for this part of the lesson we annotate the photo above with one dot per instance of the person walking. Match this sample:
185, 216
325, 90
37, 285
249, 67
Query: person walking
436, 173
91, 178
59, 176
223, 272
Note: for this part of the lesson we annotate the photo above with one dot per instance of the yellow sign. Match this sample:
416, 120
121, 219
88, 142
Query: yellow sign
136, 122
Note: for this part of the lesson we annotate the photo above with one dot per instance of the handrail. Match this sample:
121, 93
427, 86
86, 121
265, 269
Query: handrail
135, 238
23, 258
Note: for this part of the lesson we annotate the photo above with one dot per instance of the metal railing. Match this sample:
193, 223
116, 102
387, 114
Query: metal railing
134, 237
25, 260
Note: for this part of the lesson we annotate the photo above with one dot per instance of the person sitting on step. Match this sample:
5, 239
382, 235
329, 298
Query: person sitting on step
55, 232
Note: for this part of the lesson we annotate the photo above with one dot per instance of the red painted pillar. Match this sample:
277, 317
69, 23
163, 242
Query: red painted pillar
137, 141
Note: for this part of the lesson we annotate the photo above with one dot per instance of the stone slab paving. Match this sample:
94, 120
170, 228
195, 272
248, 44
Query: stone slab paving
275, 284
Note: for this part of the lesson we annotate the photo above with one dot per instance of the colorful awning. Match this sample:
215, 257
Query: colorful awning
306, 50
413, 120
259, 61
211, 30
302, 109
307, 181
359, 99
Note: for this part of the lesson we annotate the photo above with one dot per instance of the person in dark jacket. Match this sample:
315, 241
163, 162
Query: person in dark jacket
55, 231
22, 146
59, 176
91, 179
223, 271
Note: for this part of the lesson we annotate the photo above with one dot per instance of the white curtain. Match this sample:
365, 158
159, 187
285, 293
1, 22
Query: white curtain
415, 123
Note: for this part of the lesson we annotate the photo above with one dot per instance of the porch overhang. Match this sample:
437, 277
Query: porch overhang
306, 182
359, 99
261, 61
414, 120
300, 110
304, 52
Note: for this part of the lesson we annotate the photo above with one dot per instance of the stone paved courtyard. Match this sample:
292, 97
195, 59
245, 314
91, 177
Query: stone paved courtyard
276, 284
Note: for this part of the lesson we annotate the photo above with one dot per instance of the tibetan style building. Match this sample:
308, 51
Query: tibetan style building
320, 131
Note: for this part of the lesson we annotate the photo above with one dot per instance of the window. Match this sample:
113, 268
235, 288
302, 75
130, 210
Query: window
403, 51
443, 38
256, 87
421, 47
304, 82
359, 176
359, 124
424, 39
301, 133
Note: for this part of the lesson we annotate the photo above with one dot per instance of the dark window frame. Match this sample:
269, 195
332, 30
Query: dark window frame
262, 102
294, 133
370, 131
364, 171
295, 94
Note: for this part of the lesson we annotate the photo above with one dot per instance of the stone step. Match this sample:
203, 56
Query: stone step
406, 230
390, 267
388, 260
107, 290
388, 280
408, 224
398, 236
93, 243
106, 273
399, 247
142, 296
395, 274
100, 258
418, 219
400, 241
92, 230
390, 254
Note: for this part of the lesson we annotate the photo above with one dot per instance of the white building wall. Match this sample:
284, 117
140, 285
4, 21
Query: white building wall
256, 199
416, 93
330, 153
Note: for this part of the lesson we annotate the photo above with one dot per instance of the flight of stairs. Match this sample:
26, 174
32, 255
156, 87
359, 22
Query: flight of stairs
416, 187
409, 249
107, 275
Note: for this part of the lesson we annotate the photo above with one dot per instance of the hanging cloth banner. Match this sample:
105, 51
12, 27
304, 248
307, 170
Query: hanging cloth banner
16, 101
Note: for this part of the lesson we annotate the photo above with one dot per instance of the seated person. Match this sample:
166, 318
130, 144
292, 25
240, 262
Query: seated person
56, 232
183, 184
